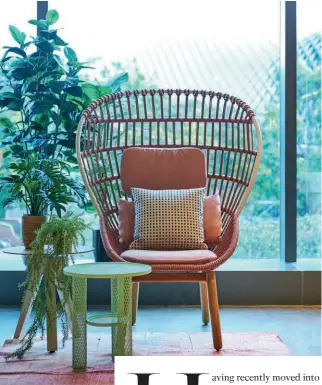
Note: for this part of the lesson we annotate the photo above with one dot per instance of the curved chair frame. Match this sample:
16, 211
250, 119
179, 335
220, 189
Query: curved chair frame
223, 126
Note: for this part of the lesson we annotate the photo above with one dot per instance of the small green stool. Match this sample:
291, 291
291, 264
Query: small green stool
120, 318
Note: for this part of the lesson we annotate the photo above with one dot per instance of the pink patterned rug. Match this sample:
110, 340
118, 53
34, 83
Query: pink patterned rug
41, 368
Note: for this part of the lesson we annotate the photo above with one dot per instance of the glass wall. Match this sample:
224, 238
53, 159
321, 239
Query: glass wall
309, 49
220, 46
231, 47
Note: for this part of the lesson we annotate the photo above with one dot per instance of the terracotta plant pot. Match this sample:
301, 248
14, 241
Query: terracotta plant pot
30, 224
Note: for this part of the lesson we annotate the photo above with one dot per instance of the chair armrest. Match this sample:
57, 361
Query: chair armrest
111, 243
228, 242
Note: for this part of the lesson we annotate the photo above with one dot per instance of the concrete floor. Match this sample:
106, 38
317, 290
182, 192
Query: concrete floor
299, 328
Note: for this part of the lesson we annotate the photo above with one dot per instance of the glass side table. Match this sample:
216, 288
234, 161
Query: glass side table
120, 318
29, 299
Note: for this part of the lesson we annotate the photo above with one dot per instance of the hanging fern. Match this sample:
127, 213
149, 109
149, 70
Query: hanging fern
58, 237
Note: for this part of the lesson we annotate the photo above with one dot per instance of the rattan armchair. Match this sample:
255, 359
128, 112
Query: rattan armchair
222, 126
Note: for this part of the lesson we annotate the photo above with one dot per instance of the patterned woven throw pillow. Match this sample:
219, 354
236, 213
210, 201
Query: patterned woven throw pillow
168, 219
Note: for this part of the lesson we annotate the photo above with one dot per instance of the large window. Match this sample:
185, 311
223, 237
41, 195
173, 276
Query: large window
309, 50
221, 46
227, 46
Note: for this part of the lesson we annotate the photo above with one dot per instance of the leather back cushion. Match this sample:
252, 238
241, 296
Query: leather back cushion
211, 221
162, 169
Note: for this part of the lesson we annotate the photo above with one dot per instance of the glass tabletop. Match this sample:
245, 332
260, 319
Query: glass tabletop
107, 270
21, 250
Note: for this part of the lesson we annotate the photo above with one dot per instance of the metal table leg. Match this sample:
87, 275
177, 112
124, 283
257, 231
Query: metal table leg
68, 307
79, 324
121, 300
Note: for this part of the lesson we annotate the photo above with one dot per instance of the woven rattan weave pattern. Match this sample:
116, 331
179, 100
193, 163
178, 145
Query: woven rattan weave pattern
222, 126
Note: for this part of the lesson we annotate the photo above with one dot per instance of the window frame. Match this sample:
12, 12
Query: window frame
288, 148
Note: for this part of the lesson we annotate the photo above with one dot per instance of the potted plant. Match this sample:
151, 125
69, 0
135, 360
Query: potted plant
42, 97
42, 89
44, 186
57, 236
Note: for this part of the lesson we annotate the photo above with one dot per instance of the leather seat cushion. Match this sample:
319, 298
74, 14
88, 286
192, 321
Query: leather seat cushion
156, 257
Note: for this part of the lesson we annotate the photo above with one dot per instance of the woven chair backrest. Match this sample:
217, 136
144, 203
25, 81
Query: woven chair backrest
222, 126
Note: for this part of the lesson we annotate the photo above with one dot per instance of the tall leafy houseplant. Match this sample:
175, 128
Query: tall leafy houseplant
57, 236
42, 97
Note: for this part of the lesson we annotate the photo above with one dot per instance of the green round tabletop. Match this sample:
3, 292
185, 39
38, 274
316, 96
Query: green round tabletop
107, 270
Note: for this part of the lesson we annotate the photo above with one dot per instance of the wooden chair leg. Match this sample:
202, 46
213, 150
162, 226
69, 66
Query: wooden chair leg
214, 310
26, 310
135, 300
204, 302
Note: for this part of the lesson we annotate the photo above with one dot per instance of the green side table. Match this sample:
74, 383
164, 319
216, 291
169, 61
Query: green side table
120, 318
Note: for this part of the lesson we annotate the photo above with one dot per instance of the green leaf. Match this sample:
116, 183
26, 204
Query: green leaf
82, 67
57, 86
4, 102
95, 91
17, 35
45, 46
50, 149
22, 73
89, 207
52, 16
80, 103
8, 201
7, 58
40, 107
49, 35
18, 62
42, 24
5, 122
32, 87
74, 91
71, 107
73, 81
26, 139
50, 73
8, 140
6, 154
67, 143
36, 126
17, 149
118, 80
15, 105
50, 98
70, 55
16, 50
7, 95
30, 42
72, 159
59, 41
15, 166
37, 56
